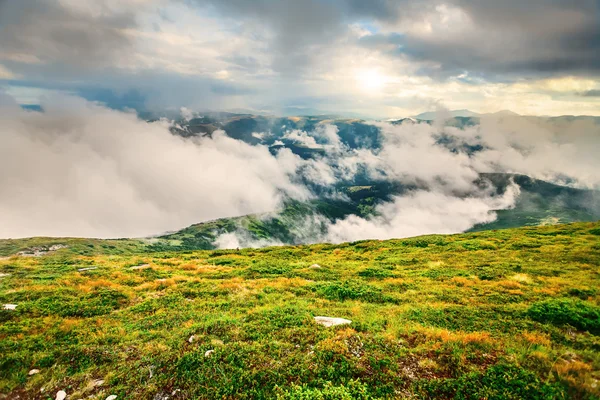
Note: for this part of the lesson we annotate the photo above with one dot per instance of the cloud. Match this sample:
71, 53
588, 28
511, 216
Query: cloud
298, 33
440, 167
5, 73
501, 40
381, 59
420, 213
85, 33
83, 170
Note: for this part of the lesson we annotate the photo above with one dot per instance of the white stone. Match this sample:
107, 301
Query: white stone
331, 321
61, 395
111, 397
191, 339
34, 371
4, 275
208, 353
10, 306
140, 266
315, 266
87, 269
98, 382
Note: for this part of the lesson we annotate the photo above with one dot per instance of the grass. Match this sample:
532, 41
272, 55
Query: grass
507, 314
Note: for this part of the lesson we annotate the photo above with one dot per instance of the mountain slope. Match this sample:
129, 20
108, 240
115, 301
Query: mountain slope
542, 203
505, 314
539, 203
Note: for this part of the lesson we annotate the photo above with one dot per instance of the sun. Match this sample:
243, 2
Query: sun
370, 80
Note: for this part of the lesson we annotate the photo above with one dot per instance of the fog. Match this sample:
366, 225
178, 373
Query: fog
82, 170
79, 169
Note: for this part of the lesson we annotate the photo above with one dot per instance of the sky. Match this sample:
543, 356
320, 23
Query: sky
377, 59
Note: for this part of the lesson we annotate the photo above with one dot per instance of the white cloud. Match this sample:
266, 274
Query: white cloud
79, 169
421, 213
83, 170
5, 73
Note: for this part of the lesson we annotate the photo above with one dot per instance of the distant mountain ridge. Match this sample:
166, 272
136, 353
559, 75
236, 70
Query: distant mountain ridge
540, 203
431, 115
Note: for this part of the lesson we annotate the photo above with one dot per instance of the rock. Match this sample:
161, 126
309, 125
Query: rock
331, 321
4, 275
40, 251
10, 306
111, 397
208, 353
161, 396
61, 395
34, 371
191, 339
140, 266
87, 269
315, 266
98, 382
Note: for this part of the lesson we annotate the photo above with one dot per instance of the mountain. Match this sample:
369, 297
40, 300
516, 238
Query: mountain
431, 115
542, 203
504, 113
539, 203
507, 314
299, 223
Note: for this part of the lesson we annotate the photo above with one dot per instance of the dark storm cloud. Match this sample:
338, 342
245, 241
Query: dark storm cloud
288, 46
301, 31
46, 31
517, 38
501, 38
149, 90
296, 26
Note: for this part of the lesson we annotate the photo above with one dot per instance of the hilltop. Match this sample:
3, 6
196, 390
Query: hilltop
504, 314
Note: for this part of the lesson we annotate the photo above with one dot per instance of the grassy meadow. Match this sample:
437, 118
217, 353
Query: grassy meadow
505, 314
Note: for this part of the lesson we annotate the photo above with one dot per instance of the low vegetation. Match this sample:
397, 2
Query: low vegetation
507, 314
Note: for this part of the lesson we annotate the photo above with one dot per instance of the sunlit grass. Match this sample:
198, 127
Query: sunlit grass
501, 314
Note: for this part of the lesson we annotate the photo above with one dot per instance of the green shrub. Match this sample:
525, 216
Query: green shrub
351, 290
583, 294
525, 245
225, 261
478, 245
499, 382
354, 390
579, 314
263, 269
99, 302
375, 273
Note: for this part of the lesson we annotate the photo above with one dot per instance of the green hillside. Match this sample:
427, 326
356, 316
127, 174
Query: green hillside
539, 203
543, 203
505, 314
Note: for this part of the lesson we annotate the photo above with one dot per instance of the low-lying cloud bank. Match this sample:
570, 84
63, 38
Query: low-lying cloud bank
79, 169
82, 170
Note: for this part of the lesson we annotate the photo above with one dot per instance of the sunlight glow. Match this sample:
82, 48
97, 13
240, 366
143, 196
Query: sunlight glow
370, 80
